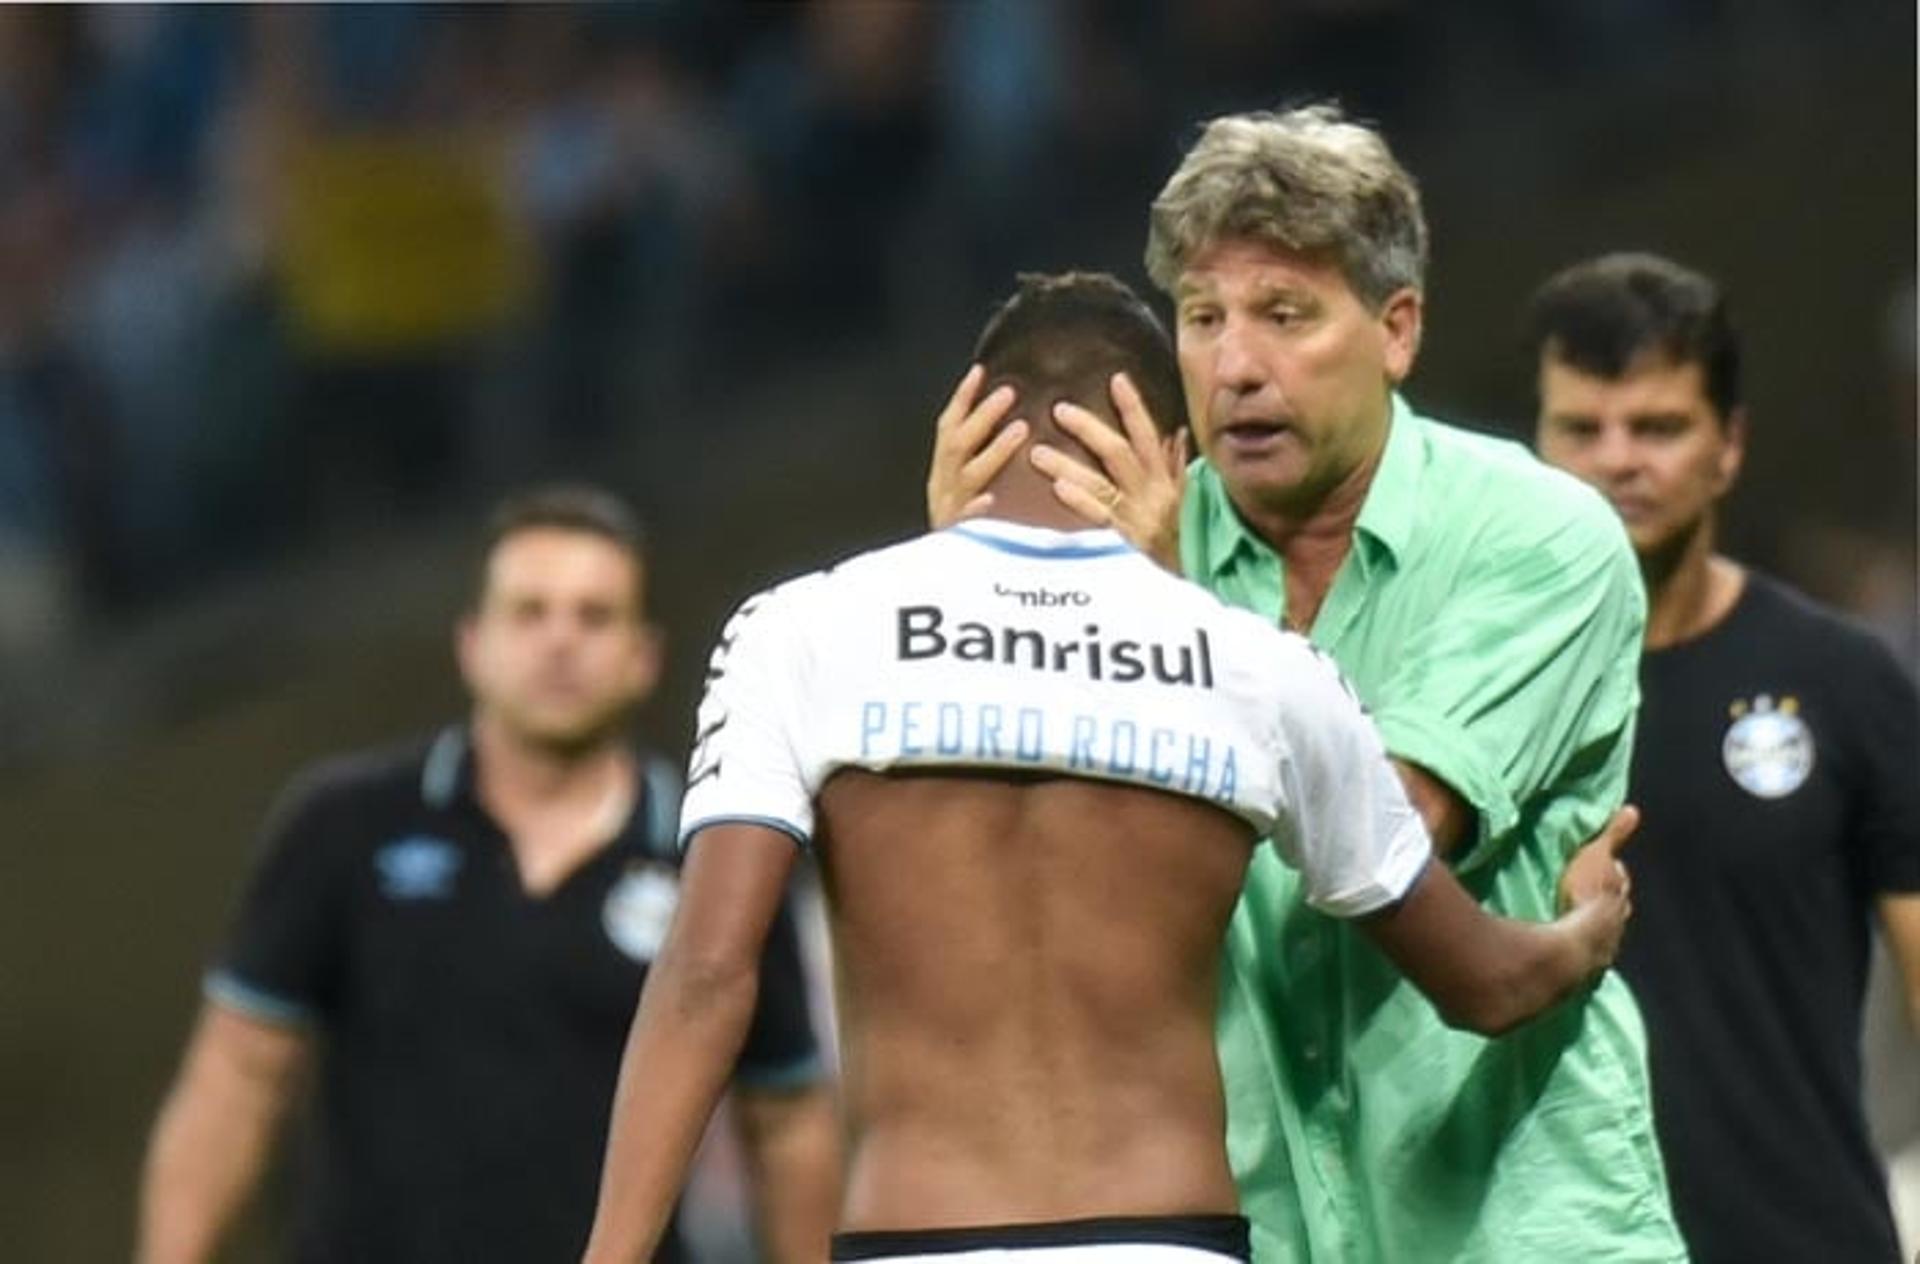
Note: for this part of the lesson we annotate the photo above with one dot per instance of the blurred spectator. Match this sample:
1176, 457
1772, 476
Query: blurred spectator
624, 172
839, 99
396, 254
54, 549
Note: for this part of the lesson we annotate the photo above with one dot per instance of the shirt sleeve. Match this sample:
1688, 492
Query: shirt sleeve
282, 957
744, 768
1528, 679
781, 1050
1887, 715
1345, 820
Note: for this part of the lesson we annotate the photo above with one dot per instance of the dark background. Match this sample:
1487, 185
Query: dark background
288, 295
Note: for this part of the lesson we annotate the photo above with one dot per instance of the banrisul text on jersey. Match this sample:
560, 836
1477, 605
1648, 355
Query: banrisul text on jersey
924, 633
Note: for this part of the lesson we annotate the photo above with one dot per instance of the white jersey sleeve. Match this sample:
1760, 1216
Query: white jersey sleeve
1346, 824
744, 767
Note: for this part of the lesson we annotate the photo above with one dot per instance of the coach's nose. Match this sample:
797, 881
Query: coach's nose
1237, 364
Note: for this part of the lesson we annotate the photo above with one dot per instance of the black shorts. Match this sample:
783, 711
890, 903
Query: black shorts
1122, 1239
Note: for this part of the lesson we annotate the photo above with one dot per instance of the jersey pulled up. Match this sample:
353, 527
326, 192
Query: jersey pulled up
998, 645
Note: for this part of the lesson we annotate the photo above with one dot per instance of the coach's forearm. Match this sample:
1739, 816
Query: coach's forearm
691, 1023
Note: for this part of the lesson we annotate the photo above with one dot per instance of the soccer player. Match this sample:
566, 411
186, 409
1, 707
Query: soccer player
1034, 767
1776, 766
1486, 609
453, 935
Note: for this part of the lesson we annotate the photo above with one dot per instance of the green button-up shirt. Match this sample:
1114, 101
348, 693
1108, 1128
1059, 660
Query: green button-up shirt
1489, 614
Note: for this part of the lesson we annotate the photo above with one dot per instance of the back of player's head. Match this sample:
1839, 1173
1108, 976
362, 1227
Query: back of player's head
580, 508
1602, 316
1064, 336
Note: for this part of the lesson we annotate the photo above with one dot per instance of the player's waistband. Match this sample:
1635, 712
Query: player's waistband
1122, 1239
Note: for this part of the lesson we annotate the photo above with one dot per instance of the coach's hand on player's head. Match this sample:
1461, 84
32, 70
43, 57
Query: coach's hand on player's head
967, 455
1595, 878
1142, 478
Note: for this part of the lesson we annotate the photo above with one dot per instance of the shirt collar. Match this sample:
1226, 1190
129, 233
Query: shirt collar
447, 785
1386, 516
446, 778
1030, 541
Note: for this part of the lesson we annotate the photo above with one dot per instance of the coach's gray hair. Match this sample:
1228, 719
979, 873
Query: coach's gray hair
1309, 180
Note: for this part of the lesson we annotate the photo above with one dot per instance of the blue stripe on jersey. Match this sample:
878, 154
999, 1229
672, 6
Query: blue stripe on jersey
788, 828
1065, 549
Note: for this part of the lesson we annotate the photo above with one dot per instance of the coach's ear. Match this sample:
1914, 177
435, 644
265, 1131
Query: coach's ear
1401, 321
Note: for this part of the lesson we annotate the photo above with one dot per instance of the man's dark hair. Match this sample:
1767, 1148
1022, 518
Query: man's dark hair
1067, 335
1601, 315
578, 507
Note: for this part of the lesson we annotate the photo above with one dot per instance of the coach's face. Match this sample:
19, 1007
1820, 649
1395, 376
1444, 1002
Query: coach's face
1288, 372
1650, 441
558, 650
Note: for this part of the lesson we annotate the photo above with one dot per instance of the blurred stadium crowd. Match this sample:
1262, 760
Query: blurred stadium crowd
270, 269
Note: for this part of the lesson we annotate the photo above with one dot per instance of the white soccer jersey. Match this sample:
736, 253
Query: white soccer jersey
996, 645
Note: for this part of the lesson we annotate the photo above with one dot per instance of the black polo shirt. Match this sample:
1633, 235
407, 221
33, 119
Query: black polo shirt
1778, 768
470, 1034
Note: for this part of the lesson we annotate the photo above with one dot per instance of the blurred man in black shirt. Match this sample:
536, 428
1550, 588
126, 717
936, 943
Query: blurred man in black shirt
1776, 767
456, 933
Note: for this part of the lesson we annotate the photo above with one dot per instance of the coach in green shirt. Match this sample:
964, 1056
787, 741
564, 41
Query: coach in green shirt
1488, 612
1484, 617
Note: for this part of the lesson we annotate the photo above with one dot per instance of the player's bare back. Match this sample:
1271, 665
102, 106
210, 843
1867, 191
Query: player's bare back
1028, 974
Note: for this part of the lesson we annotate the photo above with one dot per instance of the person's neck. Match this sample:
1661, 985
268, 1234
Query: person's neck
1690, 589
1022, 495
1315, 522
521, 781
1313, 537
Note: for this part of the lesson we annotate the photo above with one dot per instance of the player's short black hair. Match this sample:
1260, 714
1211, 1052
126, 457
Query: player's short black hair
579, 507
1067, 334
1601, 315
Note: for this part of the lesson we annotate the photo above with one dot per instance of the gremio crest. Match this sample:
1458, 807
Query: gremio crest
1768, 749
639, 909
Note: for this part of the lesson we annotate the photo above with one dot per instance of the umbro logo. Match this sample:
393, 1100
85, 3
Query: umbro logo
417, 868
1044, 596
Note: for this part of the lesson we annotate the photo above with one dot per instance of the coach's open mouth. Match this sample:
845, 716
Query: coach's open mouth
1252, 436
